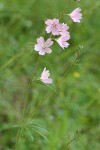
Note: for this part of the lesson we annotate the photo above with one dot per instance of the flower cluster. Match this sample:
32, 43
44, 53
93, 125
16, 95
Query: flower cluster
58, 29
60, 34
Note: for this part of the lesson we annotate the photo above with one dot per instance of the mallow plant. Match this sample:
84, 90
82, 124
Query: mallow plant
58, 33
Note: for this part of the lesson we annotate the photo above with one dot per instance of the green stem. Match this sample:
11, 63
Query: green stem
25, 105
64, 10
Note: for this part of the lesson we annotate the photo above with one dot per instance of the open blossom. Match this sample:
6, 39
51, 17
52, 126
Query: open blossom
53, 26
76, 16
64, 28
64, 31
62, 41
43, 46
45, 77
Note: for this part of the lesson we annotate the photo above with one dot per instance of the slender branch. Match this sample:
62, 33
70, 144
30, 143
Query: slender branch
25, 104
64, 10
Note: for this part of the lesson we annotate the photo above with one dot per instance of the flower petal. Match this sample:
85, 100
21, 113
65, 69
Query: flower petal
37, 47
40, 41
48, 43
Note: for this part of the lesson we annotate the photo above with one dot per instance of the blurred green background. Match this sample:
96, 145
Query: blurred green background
71, 114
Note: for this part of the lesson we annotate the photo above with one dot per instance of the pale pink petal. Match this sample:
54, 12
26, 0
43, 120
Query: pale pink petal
63, 31
66, 34
56, 21
40, 40
48, 43
76, 15
59, 27
41, 52
45, 74
48, 50
37, 47
77, 10
65, 27
48, 29
55, 31
62, 41
45, 77
48, 22
48, 81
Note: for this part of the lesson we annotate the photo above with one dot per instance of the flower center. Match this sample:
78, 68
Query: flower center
54, 25
43, 47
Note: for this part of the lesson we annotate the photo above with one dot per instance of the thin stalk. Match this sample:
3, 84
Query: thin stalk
66, 6
25, 104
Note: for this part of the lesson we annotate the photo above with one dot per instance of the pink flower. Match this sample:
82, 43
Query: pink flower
45, 77
64, 28
53, 26
62, 41
43, 46
64, 31
76, 16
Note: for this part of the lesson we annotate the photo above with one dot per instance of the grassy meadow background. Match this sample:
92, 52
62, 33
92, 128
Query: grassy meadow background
69, 119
